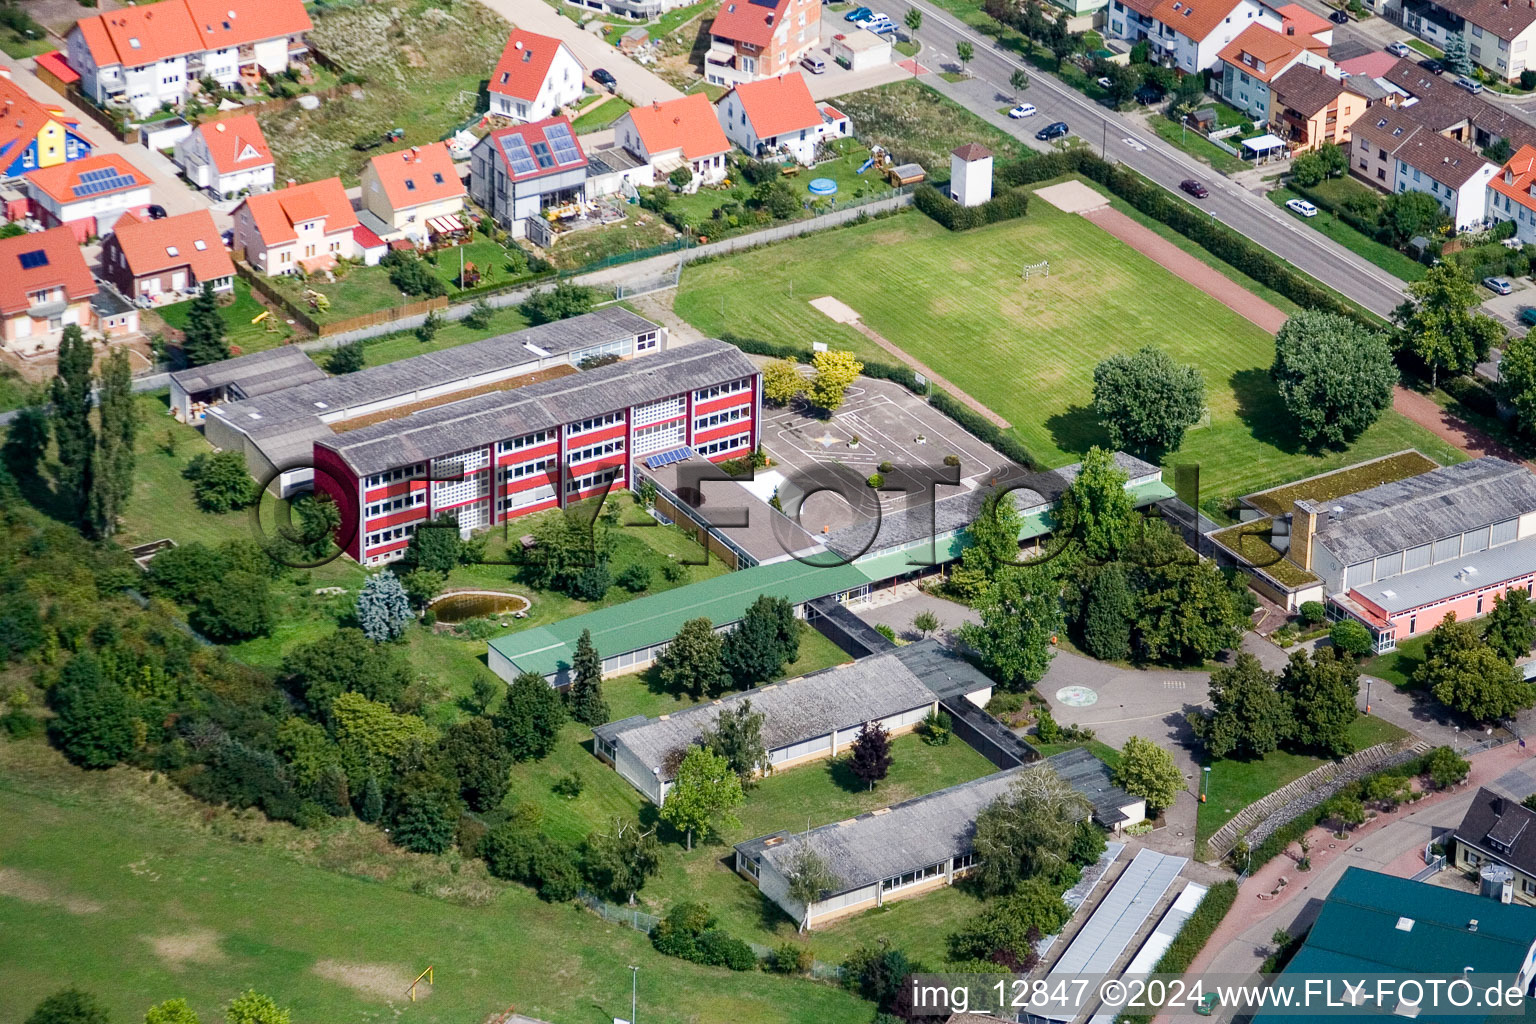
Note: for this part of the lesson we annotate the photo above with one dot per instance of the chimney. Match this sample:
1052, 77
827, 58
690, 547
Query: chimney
1472, 925
1306, 520
290, 183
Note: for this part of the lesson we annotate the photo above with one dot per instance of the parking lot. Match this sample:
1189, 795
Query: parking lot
1507, 308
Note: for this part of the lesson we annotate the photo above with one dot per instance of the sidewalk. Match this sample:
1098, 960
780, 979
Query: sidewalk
1423, 410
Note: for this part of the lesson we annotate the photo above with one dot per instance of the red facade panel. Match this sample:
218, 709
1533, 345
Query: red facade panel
334, 478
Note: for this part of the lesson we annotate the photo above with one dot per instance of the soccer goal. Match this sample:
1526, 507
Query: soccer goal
1041, 269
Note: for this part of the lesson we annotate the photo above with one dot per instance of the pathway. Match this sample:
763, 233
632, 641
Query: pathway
1424, 411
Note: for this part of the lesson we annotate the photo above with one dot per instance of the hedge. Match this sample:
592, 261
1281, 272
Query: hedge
1004, 206
1192, 938
902, 375
1473, 393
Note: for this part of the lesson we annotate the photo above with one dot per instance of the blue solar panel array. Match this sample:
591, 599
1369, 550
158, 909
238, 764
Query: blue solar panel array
557, 149
34, 259
559, 137
517, 153
104, 180
99, 174
669, 457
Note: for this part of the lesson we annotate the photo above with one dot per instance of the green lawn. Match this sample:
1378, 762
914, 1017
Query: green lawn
1198, 146
918, 124
21, 47
601, 115
125, 888
1397, 666
404, 344
1427, 49
1098, 748
955, 301
1384, 256
238, 309
1236, 784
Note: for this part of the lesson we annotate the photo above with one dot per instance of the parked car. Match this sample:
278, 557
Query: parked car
1150, 92
1301, 206
1472, 85
1339, 17
1399, 49
1022, 110
814, 64
1194, 188
859, 14
1105, 83
1498, 285
1528, 316
1433, 66
604, 78
155, 211
1054, 130
880, 25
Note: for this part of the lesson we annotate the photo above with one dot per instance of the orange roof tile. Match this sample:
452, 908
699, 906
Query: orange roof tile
276, 213
66, 183
22, 117
141, 35
1267, 52
226, 23
421, 174
47, 259
1193, 18
235, 143
1517, 177
775, 106
524, 64
187, 240
688, 123
1302, 22
749, 21
55, 63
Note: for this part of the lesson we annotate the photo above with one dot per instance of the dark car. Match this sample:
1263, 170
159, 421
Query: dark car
1150, 92
1054, 130
1527, 316
1194, 188
1339, 17
604, 78
1433, 66
155, 211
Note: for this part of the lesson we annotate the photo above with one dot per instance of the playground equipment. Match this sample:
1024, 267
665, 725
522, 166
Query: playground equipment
424, 974
259, 317
1041, 269
866, 165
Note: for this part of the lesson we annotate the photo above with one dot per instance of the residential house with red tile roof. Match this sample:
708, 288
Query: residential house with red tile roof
520, 173
45, 287
34, 134
1259, 55
415, 192
1457, 177
1498, 33
227, 157
1187, 34
150, 54
678, 133
87, 195
1313, 108
1297, 21
1512, 194
536, 76
157, 261
751, 39
773, 116
309, 226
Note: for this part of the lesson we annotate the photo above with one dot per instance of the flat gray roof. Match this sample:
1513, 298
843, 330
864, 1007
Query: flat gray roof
1450, 578
768, 534
482, 419
1421, 509
946, 673
842, 698
1120, 916
256, 374
1093, 779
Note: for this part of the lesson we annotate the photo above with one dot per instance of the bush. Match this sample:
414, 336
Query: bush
1351, 637
1313, 612
674, 572
1004, 206
220, 482
718, 949
411, 274
789, 958
635, 578
592, 583
876, 481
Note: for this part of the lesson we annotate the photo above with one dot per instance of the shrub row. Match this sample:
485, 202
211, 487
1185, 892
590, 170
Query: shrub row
1004, 206
902, 375
1474, 393
982, 427
1192, 937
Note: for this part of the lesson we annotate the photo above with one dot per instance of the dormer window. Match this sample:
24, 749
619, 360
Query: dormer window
410, 185
527, 56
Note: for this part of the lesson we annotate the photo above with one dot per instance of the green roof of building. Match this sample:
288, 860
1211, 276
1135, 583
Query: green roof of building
1381, 924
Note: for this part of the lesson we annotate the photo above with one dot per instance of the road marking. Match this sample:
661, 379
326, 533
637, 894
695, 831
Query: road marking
1135, 144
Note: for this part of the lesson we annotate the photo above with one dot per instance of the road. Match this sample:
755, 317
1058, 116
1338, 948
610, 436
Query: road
1129, 143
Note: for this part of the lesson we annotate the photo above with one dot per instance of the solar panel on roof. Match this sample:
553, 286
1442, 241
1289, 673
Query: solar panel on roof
99, 174
517, 154
668, 457
34, 259
559, 137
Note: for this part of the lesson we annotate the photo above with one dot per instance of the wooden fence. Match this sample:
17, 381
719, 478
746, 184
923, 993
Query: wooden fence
306, 318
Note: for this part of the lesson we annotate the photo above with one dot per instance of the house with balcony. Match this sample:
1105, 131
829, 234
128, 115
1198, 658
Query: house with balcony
1251, 62
227, 157
517, 174
1498, 33
415, 193
678, 133
777, 116
146, 55
309, 226
1313, 108
1187, 35
33, 134
1457, 177
45, 287
152, 262
1512, 194
87, 196
536, 76
752, 39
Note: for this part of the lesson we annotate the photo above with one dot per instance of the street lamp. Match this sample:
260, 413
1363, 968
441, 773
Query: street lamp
1367, 694
1456, 739
634, 981
1206, 786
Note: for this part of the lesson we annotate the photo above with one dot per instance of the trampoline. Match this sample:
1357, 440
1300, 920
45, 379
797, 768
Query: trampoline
822, 187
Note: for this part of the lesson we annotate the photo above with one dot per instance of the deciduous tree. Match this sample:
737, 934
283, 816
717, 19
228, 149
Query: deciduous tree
1322, 689
251, 1007
1511, 629
220, 482
693, 662
1146, 401
703, 796
348, 358
1020, 616
1440, 326
811, 879
1408, 215
474, 753
531, 717
1006, 929
737, 736
1096, 510
69, 1006
1148, 771
1335, 376
1028, 832
835, 371
112, 482
345, 660
620, 857
26, 439
92, 725
1190, 611
1249, 716
562, 301
782, 381
870, 757
70, 392
237, 607
172, 1011
1467, 675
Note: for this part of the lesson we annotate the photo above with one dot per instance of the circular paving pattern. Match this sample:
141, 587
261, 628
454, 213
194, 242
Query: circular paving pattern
1077, 696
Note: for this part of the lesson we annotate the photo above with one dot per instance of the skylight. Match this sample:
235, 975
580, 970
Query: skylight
437, 177
527, 56
200, 245
134, 42
410, 184
171, 250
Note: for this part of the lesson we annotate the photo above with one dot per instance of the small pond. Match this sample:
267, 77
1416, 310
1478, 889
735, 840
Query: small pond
476, 604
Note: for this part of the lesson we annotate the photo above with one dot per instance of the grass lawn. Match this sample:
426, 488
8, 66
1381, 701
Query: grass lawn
714, 92
917, 124
238, 308
640, 230
1384, 256
1197, 146
14, 390
1236, 784
130, 890
20, 47
956, 302
1098, 748
600, 115
1398, 665
424, 66
906, 48
1427, 49
404, 344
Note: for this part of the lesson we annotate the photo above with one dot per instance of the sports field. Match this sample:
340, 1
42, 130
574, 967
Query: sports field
1027, 349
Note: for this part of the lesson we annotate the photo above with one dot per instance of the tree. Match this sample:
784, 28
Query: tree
737, 736
172, 1011
1456, 57
562, 301
429, 326
965, 51
1345, 811
480, 315
1467, 675
1409, 215
703, 795
318, 518
426, 814
342, 661
1019, 80
1148, 771
1447, 768
348, 358
693, 662
371, 807
251, 1007
765, 640
422, 585
236, 608
1517, 381
914, 22
1511, 631
585, 700
1005, 930
412, 274
473, 752
870, 757
1334, 159
483, 691
1028, 832
112, 482
531, 717
436, 546
1096, 510
1322, 691
1088, 845
565, 544
835, 371
1249, 716
92, 725
1191, 611
69, 1006
1020, 616
26, 439
1146, 401
203, 340
70, 392
926, 623
810, 879
619, 860
994, 544
1308, 170
1439, 325
383, 608
782, 382
220, 482
1109, 608
1334, 376
1351, 637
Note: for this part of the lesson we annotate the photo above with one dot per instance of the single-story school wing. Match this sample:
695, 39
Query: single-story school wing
804, 719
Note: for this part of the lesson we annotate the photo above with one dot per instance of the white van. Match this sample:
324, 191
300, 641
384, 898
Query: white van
814, 64
880, 25
1472, 85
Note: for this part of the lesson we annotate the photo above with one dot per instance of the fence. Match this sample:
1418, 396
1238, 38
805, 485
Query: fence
101, 117
328, 328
